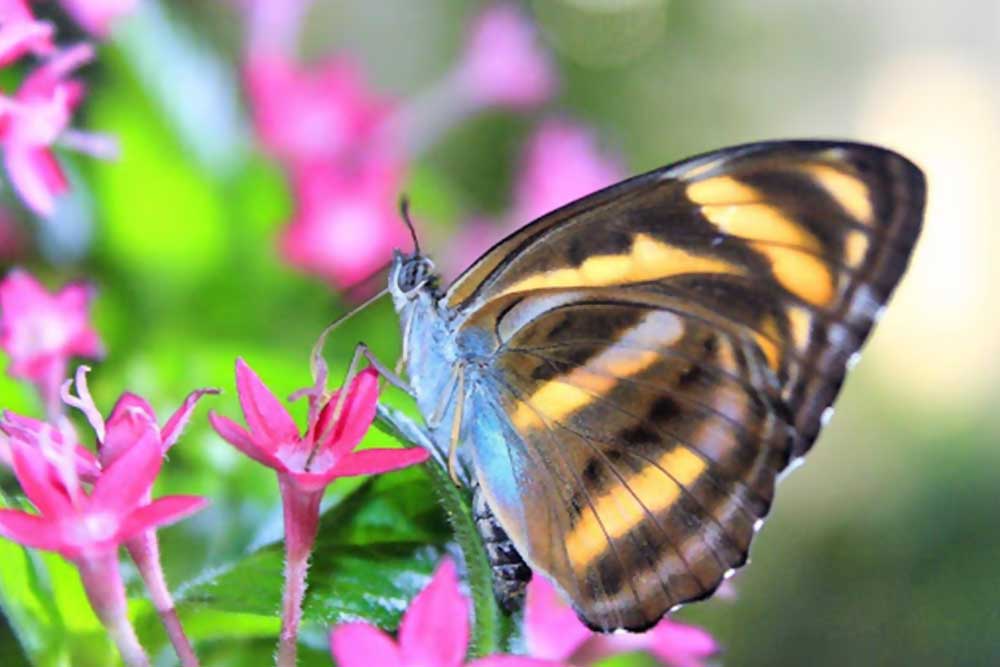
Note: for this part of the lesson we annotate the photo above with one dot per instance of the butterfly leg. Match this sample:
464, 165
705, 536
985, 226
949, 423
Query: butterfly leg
455, 389
456, 427
362, 350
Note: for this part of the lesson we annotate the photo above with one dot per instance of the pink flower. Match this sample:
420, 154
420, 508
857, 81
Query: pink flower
325, 451
132, 420
20, 33
80, 525
561, 163
552, 630
305, 115
434, 632
87, 528
35, 118
347, 224
503, 63
41, 331
96, 16
306, 464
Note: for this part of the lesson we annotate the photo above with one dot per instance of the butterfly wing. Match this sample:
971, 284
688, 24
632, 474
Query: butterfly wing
802, 242
662, 349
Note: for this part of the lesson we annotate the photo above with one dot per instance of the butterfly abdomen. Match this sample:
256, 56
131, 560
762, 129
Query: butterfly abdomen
510, 573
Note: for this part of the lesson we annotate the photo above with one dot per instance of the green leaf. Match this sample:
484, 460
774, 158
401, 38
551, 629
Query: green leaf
376, 549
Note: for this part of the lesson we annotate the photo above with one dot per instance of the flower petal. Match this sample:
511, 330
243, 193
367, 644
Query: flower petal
435, 628
514, 661
161, 511
675, 644
236, 436
269, 421
34, 473
358, 413
175, 425
681, 645
375, 461
30, 530
128, 404
36, 175
74, 300
43, 80
131, 417
562, 161
551, 627
19, 37
41, 435
127, 481
362, 645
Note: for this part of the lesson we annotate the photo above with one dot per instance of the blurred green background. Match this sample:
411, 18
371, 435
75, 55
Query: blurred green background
883, 549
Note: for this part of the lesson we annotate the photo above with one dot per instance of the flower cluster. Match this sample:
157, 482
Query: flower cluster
35, 118
346, 149
88, 505
435, 631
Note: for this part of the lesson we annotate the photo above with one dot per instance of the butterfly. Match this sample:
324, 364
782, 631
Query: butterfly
627, 376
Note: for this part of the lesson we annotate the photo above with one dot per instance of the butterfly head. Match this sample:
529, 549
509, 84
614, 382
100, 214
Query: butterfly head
410, 275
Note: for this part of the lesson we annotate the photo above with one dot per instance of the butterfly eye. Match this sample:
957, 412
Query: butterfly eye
414, 274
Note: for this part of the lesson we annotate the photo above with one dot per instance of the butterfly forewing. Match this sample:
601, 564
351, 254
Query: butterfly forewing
648, 359
800, 242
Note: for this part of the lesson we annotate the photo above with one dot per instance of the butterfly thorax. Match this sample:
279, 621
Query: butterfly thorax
428, 342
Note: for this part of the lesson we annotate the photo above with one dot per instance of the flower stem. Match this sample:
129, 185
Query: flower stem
102, 582
487, 631
145, 552
301, 512
491, 627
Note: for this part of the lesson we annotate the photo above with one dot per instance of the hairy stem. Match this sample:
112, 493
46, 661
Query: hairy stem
103, 584
489, 629
301, 512
145, 552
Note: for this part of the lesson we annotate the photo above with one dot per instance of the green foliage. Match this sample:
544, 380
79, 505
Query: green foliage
376, 548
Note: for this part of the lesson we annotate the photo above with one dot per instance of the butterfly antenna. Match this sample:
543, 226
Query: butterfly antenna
404, 210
